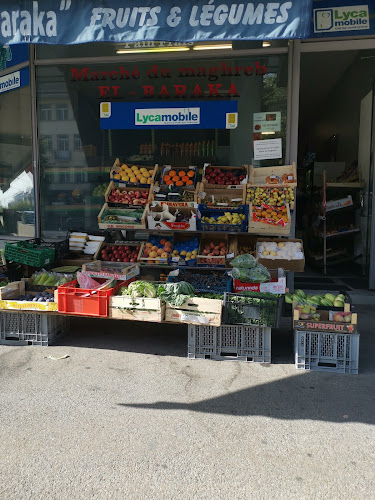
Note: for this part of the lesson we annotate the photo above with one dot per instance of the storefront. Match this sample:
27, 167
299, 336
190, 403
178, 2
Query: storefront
246, 60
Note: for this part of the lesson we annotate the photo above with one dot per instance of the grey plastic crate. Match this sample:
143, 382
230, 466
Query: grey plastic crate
31, 328
326, 352
230, 343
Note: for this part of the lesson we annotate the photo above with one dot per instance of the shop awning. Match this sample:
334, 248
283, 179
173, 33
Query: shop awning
82, 21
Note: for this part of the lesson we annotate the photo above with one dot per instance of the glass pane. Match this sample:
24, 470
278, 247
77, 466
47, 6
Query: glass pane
75, 174
16, 176
100, 49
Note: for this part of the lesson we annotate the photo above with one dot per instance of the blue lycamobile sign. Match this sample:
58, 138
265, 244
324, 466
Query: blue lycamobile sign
141, 115
50, 21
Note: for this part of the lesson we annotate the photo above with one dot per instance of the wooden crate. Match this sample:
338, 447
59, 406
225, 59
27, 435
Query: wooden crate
238, 194
121, 224
256, 227
323, 324
12, 290
179, 204
245, 169
121, 271
140, 309
116, 167
215, 261
259, 176
152, 261
112, 185
196, 311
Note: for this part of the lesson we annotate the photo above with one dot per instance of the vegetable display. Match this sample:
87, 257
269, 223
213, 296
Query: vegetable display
248, 270
248, 308
328, 300
139, 289
176, 293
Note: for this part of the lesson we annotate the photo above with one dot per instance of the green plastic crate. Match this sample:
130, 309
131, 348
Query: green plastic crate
29, 254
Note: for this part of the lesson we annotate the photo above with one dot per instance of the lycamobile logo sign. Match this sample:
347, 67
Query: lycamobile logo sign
355, 17
167, 116
10, 82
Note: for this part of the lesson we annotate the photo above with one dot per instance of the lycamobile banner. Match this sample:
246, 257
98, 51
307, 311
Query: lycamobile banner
81, 21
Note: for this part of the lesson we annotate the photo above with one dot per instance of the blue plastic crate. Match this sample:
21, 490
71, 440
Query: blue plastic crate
223, 285
205, 211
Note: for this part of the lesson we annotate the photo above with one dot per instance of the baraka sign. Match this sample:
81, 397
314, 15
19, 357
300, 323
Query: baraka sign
50, 21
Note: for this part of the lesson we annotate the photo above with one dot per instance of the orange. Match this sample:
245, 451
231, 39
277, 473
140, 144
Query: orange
179, 183
166, 178
172, 173
168, 183
189, 183
181, 173
191, 173
185, 178
175, 178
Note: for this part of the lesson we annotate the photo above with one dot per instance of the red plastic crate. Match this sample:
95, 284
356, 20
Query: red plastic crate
84, 301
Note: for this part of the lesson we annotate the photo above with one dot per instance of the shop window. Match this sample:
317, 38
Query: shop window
46, 112
77, 142
16, 179
62, 112
257, 83
47, 143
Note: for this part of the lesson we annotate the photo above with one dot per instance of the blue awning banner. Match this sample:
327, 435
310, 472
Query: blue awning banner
81, 21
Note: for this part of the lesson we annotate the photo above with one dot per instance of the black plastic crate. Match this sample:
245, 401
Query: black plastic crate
252, 309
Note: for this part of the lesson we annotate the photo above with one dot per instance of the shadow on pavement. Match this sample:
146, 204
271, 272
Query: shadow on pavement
306, 396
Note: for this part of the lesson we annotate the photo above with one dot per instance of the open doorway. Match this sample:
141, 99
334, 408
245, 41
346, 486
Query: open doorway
334, 150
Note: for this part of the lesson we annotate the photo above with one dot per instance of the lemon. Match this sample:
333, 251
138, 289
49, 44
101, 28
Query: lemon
117, 176
124, 165
133, 179
125, 178
143, 180
149, 181
134, 167
139, 176
147, 174
143, 169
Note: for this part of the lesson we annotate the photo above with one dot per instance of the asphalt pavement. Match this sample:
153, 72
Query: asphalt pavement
128, 416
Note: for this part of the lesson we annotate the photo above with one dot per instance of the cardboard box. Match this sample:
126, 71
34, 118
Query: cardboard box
196, 311
140, 309
176, 203
239, 195
276, 285
257, 227
156, 210
12, 290
324, 325
336, 204
296, 266
24, 305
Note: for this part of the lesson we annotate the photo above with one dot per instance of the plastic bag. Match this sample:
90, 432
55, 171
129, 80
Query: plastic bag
246, 261
258, 274
85, 281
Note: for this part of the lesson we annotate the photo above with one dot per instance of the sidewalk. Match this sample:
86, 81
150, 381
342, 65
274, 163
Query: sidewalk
128, 416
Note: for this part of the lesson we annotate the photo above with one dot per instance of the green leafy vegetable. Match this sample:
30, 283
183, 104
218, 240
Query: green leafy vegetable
246, 261
176, 293
257, 274
139, 289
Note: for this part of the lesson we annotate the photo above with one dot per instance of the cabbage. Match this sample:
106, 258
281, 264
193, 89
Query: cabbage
246, 261
176, 293
141, 288
258, 274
